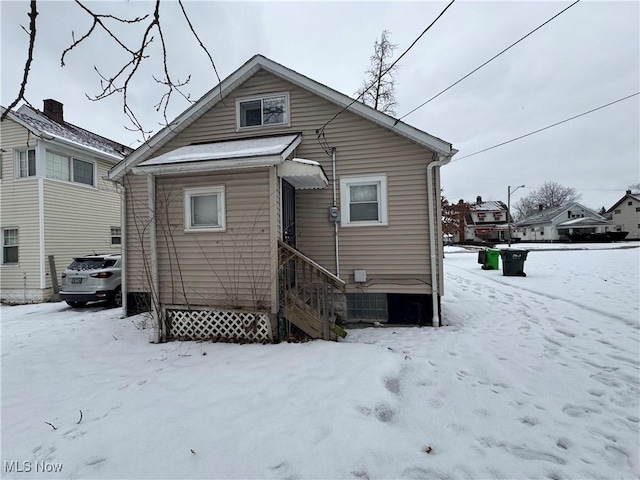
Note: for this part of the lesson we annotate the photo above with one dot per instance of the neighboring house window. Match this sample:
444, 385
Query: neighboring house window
617, 212
263, 111
26, 163
364, 200
116, 236
204, 209
629, 203
61, 167
9, 246
637, 209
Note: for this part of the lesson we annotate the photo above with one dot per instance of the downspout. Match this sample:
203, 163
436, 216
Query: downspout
123, 246
159, 333
431, 205
335, 199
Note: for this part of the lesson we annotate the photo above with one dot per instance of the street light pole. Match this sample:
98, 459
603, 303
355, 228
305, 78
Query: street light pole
509, 192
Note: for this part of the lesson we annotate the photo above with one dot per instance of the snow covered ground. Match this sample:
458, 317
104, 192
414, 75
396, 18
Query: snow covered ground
535, 377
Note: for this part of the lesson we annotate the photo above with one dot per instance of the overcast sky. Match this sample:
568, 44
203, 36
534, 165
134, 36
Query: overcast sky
587, 57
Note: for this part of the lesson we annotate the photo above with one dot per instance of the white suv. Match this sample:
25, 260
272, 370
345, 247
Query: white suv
92, 278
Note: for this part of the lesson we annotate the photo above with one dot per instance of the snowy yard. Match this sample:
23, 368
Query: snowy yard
534, 377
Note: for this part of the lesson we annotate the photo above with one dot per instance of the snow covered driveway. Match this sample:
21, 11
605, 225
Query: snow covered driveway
534, 377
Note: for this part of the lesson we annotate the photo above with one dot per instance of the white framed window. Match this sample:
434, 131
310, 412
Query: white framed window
262, 111
116, 236
10, 246
204, 209
68, 169
363, 200
26, 163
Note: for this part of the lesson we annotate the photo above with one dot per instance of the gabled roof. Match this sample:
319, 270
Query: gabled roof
256, 63
72, 135
548, 214
488, 206
633, 196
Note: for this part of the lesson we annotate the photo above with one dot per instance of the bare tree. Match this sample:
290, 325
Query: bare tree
635, 188
453, 215
136, 52
379, 86
550, 194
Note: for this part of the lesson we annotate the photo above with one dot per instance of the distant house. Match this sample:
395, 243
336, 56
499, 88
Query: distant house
244, 215
486, 221
625, 215
54, 197
557, 223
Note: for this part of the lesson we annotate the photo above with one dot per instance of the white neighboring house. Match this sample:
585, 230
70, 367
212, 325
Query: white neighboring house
557, 223
486, 221
625, 215
54, 198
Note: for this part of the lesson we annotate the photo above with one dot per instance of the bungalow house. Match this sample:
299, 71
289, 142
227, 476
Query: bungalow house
625, 215
245, 215
557, 223
486, 221
54, 197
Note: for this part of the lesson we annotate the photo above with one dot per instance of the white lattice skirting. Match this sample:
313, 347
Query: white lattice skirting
218, 325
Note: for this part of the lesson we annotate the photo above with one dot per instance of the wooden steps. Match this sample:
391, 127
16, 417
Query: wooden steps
307, 320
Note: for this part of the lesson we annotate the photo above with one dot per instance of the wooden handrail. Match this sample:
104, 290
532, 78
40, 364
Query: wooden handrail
330, 277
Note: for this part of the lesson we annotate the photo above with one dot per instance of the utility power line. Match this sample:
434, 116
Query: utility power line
320, 131
548, 126
488, 61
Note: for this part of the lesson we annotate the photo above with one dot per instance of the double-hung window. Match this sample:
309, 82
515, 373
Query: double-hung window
26, 163
263, 111
364, 200
116, 236
204, 209
9, 246
62, 167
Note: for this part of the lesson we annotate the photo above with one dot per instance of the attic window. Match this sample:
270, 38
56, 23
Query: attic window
263, 111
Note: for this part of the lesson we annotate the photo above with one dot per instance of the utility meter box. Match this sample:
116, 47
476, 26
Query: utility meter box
334, 214
360, 276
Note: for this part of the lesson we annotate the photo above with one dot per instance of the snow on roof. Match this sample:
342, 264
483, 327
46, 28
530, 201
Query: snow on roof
250, 147
305, 161
488, 206
582, 221
70, 133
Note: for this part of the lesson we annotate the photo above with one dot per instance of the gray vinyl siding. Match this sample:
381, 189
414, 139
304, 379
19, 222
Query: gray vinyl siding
232, 268
395, 256
19, 208
78, 219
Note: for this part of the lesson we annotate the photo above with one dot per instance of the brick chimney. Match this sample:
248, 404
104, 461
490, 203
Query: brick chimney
479, 200
628, 192
54, 110
540, 207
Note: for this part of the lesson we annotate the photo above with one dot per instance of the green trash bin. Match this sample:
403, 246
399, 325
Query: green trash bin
491, 261
513, 262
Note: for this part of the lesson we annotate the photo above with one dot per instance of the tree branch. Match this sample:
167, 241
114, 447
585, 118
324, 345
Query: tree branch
27, 67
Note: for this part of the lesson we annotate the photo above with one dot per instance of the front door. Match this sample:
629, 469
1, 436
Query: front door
289, 226
288, 214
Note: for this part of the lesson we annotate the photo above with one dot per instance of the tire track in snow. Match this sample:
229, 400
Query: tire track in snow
552, 297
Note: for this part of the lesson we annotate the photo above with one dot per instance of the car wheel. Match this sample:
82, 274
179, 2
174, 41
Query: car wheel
116, 298
76, 304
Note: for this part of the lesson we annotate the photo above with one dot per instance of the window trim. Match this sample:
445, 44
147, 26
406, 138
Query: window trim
16, 164
383, 205
112, 236
287, 115
17, 245
218, 190
71, 159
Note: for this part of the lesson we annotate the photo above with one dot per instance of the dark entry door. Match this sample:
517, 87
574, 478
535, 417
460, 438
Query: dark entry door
289, 227
288, 214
